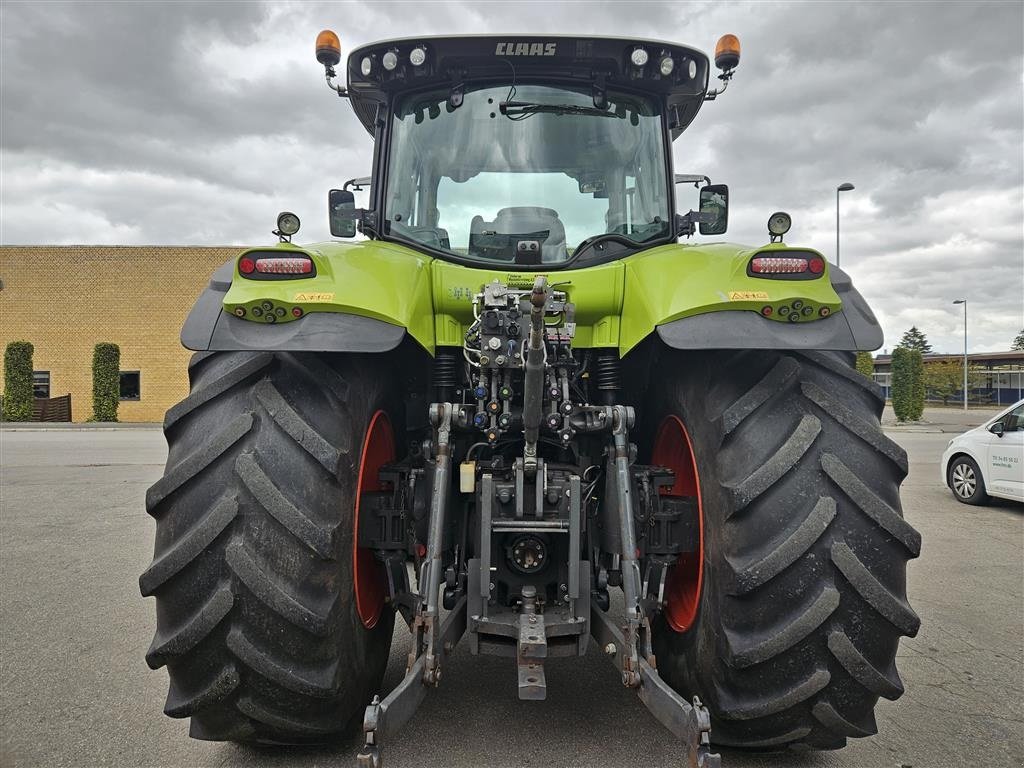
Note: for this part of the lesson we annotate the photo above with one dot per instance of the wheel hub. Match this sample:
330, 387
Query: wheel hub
964, 481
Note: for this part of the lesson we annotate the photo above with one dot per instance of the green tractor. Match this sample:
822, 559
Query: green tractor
520, 413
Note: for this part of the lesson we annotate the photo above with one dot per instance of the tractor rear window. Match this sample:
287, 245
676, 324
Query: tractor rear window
528, 185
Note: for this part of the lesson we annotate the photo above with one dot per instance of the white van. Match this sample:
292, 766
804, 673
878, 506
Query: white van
988, 460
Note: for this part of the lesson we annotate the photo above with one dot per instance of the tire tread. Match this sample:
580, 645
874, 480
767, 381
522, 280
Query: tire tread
754, 572
191, 544
868, 502
168, 646
776, 701
795, 628
189, 467
319, 539
797, 444
874, 593
272, 594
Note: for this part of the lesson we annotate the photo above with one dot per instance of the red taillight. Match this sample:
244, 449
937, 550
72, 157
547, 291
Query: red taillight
817, 266
297, 311
284, 266
767, 311
246, 265
777, 265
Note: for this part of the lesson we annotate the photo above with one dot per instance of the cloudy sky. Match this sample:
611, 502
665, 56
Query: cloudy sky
175, 122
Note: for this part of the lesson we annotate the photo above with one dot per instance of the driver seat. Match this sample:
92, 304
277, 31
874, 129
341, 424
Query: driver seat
523, 220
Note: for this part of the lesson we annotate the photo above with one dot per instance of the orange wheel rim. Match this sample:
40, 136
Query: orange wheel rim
673, 449
368, 576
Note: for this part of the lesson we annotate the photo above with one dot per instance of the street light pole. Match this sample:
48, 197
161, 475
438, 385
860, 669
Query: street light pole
844, 187
964, 302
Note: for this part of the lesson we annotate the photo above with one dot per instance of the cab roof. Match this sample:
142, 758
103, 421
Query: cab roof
463, 61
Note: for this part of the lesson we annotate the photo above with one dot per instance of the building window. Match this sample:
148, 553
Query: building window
41, 384
130, 386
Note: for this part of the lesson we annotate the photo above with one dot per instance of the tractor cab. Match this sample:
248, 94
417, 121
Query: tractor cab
519, 153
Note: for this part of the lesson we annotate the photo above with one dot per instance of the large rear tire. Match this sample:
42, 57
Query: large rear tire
802, 593
257, 620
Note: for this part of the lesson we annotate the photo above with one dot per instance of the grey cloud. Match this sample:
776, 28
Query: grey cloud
196, 122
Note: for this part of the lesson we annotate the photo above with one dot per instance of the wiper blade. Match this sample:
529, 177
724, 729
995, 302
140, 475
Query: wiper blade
520, 109
607, 237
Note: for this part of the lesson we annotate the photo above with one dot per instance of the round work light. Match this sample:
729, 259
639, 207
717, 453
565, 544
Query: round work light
287, 223
779, 223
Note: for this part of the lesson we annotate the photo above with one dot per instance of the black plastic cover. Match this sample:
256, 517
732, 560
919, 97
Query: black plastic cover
600, 62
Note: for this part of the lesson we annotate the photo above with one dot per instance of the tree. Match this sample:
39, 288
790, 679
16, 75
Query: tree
914, 339
944, 378
106, 382
907, 384
865, 364
17, 399
1018, 343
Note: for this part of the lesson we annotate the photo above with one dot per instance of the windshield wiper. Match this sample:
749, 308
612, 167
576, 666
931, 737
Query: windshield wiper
607, 237
520, 109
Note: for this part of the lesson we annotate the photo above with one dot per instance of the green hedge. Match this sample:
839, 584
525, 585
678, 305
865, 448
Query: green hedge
17, 398
907, 384
106, 382
866, 365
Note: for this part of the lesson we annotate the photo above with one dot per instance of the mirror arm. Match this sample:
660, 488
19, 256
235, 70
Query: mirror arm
686, 223
368, 223
684, 226
357, 184
695, 179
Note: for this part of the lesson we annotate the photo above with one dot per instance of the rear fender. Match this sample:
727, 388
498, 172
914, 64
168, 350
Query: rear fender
714, 304
364, 297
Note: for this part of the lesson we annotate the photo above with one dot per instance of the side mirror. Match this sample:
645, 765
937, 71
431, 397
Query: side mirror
342, 213
997, 429
714, 199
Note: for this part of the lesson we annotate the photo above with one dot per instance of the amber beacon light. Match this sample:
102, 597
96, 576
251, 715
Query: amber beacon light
727, 52
328, 48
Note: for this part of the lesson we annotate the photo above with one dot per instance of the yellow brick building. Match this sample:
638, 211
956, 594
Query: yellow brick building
66, 299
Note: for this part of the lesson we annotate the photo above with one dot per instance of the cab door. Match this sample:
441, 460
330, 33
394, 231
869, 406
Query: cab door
1005, 460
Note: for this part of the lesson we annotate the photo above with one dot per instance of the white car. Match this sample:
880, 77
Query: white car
988, 460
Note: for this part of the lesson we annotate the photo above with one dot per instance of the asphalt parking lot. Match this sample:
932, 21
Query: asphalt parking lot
75, 691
